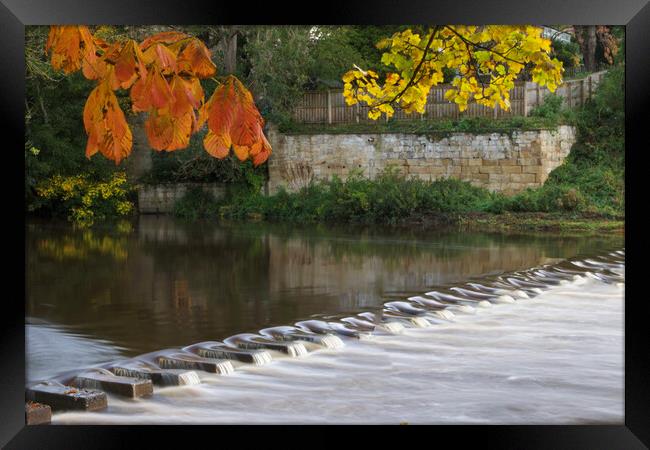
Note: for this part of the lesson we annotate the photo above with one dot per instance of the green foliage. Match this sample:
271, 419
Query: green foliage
601, 123
333, 53
278, 61
390, 198
567, 52
592, 178
550, 109
196, 204
336, 49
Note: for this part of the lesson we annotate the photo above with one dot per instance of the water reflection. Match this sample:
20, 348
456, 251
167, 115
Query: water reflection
166, 284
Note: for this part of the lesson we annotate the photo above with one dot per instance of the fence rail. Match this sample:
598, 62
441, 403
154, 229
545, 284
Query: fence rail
330, 107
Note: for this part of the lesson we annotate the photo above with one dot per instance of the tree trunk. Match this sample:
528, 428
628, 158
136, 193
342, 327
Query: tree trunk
229, 47
140, 160
586, 37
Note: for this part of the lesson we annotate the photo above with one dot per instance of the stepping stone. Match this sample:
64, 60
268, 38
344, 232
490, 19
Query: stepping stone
255, 341
289, 333
406, 308
327, 328
169, 377
257, 357
37, 414
193, 362
60, 397
124, 386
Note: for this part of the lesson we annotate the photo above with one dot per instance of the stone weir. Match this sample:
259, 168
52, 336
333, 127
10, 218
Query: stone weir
89, 389
507, 162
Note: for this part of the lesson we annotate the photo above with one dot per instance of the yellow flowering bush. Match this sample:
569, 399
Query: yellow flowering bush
86, 200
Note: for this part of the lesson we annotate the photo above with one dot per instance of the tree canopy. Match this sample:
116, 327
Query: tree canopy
487, 60
162, 74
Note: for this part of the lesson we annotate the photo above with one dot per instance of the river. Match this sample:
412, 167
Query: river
94, 296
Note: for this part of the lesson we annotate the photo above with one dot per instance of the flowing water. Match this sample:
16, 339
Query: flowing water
99, 296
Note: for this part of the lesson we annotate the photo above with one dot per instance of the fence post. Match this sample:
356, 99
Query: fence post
537, 103
569, 87
525, 87
582, 92
589, 85
358, 112
329, 106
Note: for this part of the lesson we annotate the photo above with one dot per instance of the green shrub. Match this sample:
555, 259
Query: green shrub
390, 198
196, 204
550, 108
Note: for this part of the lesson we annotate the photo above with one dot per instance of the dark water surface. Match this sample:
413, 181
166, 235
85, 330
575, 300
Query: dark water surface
165, 283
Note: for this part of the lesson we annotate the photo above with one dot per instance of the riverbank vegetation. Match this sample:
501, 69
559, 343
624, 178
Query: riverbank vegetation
587, 188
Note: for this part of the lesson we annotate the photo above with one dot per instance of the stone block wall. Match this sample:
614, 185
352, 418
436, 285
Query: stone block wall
504, 162
160, 198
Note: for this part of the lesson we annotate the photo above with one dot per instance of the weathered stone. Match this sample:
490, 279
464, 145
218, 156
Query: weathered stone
124, 386
511, 169
422, 156
160, 199
532, 169
523, 178
37, 413
169, 377
67, 397
194, 362
490, 169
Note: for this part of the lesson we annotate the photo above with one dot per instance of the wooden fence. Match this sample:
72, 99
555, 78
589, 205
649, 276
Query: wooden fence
330, 107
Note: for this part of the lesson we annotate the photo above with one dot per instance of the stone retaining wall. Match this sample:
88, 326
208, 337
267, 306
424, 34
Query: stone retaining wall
160, 198
505, 162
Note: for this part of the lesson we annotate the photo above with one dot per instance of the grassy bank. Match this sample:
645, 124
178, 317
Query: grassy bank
438, 127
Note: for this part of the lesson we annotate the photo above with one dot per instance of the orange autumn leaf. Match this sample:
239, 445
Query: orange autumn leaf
195, 59
262, 156
217, 145
166, 37
70, 45
161, 57
194, 91
234, 119
129, 64
166, 132
163, 76
170, 128
106, 125
182, 98
151, 92
158, 128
